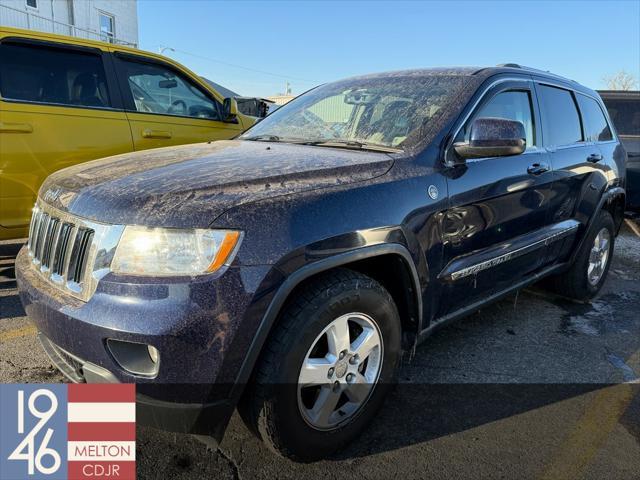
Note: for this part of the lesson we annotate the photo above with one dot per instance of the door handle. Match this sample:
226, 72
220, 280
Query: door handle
537, 168
15, 127
594, 157
147, 133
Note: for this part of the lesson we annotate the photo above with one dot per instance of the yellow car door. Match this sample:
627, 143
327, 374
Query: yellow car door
59, 106
167, 105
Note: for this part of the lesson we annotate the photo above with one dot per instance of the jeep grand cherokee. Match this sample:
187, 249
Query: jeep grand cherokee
285, 272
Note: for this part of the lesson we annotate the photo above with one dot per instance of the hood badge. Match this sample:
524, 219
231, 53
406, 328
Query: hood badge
58, 195
433, 192
52, 195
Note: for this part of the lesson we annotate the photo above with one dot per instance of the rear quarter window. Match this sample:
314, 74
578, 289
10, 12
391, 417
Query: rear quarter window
560, 118
596, 128
34, 73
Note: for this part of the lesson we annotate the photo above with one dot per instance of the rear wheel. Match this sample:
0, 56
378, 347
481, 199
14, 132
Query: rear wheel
589, 271
326, 368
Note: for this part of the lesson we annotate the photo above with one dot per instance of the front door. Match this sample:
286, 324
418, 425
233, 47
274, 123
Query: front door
165, 107
498, 207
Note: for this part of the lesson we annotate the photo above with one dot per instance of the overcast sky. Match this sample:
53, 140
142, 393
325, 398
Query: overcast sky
255, 47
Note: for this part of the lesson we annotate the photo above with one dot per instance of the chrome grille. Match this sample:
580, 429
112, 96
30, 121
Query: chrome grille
71, 252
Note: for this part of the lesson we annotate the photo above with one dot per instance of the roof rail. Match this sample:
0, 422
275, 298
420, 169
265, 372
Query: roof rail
535, 70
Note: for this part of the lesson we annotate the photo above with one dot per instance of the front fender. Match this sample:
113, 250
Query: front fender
303, 273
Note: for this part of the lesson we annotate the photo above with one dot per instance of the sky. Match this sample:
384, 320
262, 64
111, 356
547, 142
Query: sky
254, 48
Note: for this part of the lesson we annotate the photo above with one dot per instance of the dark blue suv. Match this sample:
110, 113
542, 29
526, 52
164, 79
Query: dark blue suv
285, 272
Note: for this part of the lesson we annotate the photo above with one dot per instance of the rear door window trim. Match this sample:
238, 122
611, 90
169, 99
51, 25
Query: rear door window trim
572, 93
114, 95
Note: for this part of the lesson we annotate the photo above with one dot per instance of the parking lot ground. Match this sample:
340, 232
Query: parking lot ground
534, 386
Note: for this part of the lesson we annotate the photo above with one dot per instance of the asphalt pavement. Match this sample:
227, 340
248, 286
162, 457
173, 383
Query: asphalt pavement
532, 387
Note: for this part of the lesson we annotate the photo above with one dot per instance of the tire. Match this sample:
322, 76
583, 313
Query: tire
274, 402
575, 283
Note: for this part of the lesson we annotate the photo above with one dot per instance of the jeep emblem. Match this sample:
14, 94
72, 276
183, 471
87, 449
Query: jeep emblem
52, 195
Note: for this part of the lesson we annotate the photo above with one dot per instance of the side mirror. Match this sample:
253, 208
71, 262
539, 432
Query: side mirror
493, 137
230, 110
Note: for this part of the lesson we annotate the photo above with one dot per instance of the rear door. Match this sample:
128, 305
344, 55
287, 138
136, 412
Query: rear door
59, 106
624, 111
167, 107
579, 170
499, 207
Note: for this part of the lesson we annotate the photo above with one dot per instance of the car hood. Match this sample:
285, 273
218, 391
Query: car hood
191, 185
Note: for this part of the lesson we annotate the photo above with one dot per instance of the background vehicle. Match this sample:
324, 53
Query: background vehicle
624, 110
251, 106
65, 100
287, 270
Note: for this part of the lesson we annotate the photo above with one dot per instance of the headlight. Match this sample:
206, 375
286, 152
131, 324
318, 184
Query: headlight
166, 252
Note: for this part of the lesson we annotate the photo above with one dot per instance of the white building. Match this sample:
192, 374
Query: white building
113, 21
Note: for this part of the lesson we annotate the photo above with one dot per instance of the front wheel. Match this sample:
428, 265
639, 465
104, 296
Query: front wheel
585, 277
326, 368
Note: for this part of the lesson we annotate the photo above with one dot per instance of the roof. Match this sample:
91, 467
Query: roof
479, 72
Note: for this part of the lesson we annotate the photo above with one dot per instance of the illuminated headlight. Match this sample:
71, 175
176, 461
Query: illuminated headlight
167, 252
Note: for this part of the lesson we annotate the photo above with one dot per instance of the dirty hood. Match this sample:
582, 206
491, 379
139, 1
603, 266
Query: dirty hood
191, 185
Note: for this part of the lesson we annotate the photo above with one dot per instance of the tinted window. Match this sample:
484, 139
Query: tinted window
514, 105
52, 75
158, 89
625, 115
596, 128
560, 119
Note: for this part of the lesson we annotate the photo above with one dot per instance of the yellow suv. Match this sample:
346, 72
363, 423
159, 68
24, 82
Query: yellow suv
67, 100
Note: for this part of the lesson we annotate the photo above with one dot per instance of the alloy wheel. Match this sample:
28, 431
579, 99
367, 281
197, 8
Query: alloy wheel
340, 371
598, 256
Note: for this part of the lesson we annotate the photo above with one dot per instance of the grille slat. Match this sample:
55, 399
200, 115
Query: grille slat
34, 219
42, 232
79, 255
52, 229
61, 249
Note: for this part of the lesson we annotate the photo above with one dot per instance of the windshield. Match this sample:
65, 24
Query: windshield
362, 112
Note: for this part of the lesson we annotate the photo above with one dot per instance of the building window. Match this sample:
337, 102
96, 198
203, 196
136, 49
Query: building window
32, 3
107, 27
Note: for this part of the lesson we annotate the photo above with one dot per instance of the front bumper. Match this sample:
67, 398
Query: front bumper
193, 323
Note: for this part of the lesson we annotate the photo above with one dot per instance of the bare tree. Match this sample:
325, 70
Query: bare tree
621, 81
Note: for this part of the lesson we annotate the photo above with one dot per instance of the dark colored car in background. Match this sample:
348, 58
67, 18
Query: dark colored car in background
286, 271
624, 110
252, 106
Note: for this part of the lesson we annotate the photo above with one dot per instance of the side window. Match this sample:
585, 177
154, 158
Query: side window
560, 119
52, 75
158, 89
510, 105
596, 128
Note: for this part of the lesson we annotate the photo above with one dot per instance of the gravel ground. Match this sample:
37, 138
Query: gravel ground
533, 386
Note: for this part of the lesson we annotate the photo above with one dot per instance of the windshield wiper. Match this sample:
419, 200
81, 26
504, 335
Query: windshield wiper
338, 142
262, 138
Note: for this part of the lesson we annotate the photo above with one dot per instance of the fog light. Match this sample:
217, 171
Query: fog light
136, 358
153, 353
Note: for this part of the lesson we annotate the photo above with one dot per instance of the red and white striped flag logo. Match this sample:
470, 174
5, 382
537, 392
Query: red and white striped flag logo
102, 431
